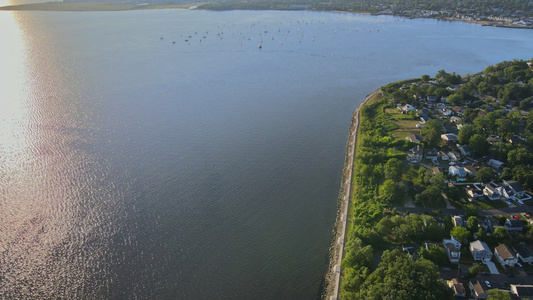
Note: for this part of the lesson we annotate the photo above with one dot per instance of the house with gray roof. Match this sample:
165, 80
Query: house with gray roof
480, 251
516, 187
514, 225
523, 253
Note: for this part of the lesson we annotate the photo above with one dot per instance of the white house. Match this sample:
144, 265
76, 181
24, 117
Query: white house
456, 171
480, 251
449, 137
415, 138
453, 249
454, 156
491, 192
505, 256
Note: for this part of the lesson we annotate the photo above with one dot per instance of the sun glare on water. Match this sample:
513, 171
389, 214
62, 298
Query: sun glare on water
13, 109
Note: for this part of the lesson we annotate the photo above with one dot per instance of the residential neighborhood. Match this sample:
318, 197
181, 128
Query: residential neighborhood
456, 181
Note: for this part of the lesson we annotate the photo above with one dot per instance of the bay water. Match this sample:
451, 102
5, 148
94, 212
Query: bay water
177, 154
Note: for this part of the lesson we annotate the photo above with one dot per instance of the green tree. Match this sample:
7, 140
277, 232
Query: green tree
432, 132
435, 254
460, 233
394, 169
431, 196
486, 174
472, 224
519, 156
501, 235
455, 99
400, 277
390, 192
465, 133
471, 210
474, 270
478, 144
496, 294
425, 78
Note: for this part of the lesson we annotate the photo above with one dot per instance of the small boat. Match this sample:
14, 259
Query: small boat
260, 46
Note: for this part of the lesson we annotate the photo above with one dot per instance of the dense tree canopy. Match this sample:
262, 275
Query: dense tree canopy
400, 277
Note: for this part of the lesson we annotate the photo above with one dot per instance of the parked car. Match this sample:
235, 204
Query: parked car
487, 283
516, 217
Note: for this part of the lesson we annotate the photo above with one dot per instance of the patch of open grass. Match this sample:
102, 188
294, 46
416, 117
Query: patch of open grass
489, 204
402, 133
407, 124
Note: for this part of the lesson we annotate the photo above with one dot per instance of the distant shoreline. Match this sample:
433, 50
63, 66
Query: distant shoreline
102, 6
88, 6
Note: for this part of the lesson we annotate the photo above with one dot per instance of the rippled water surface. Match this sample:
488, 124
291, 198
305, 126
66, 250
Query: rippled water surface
163, 155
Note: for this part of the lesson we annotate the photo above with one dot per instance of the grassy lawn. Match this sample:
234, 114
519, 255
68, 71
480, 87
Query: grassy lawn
489, 204
402, 134
407, 124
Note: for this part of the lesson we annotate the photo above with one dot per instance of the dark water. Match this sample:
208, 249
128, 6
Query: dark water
133, 167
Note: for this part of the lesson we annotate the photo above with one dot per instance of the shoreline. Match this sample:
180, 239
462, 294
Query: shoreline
332, 279
104, 6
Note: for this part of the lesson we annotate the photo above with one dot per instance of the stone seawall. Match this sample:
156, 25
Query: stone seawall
333, 277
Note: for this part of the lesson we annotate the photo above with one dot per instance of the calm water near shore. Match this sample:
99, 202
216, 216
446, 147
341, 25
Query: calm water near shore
162, 154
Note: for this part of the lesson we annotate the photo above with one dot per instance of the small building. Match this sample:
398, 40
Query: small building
436, 170
522, 291
474, 193
455, 119
407, 108
453, 249
457, 287
443, 155
523, 253
471, 171
449, 137
432, 154
495, 164
433, 98
480, 251
417, 153
446, 112
506, 192
505, 256
515, 187
514, 225
454, 156
457, 221
493, 140
491, 192
477, 289
456, 171
415, 138
465, 150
